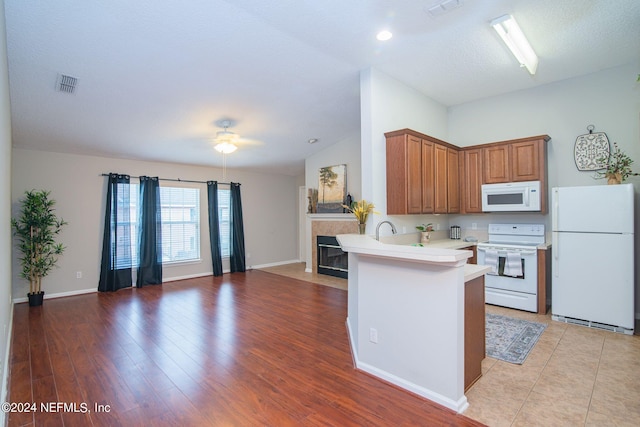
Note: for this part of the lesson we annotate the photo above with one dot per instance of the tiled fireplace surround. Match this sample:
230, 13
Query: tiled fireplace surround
325, 225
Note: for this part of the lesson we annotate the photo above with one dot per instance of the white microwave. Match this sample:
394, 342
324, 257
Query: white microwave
511, 197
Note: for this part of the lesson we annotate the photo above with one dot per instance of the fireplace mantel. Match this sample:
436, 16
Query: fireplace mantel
331, 216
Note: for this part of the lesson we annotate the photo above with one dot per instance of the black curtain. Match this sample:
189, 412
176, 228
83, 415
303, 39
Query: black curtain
150, 240
214, 228
115, 267
237, 230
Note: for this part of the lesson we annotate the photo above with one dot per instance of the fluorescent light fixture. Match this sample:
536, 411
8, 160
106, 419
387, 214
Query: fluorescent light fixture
384, 35
508, 29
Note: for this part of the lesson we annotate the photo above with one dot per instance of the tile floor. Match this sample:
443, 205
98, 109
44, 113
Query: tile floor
574, 376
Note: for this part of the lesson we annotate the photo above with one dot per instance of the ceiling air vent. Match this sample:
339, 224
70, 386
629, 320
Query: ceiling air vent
66, 83
443, 7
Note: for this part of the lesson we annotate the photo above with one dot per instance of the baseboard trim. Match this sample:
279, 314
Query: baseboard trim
459, 405
188, 276
275, 264
164, 280
58, 295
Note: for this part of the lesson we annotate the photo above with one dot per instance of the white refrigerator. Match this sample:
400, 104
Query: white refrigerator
592, 256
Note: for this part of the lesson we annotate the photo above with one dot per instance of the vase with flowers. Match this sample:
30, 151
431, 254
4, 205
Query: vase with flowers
361, 210
618, 166
425, 232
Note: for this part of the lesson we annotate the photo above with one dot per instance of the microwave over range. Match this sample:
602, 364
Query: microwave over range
511, 197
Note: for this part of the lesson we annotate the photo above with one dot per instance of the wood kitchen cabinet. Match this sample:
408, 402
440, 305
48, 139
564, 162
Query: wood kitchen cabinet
447, 183
496, 164
471, 180
515, 160
426, 175
526, 160
441, 178
474, 330
453, 181
544, 280
474, 257
506, 161
419, 176
404, 174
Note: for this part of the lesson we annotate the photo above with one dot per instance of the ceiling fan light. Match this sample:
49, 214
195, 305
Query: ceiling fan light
226, 147
384, 35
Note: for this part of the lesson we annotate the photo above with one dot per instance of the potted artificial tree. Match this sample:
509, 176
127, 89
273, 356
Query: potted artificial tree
35, 231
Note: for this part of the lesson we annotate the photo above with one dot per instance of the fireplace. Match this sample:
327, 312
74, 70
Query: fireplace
331, 259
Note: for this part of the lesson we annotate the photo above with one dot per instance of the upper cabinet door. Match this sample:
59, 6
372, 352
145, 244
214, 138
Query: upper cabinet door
428, 177
441, 179
453, 181
414, 175
471, 174
525, 160
496, 164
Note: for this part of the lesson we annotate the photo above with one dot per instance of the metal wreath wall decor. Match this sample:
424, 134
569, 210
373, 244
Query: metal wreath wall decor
590, 149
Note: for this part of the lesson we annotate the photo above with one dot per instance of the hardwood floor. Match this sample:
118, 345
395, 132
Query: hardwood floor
249, 348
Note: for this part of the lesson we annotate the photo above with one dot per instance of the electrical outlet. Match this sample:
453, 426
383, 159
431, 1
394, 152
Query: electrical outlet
474, 225
437, 226
373, 335
78, 274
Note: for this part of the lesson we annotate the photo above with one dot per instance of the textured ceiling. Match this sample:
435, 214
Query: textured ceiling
155, 76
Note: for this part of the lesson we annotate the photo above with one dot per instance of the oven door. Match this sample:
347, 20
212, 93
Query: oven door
526, 282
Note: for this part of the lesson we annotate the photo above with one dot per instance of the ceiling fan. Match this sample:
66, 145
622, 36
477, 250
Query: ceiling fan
225, 139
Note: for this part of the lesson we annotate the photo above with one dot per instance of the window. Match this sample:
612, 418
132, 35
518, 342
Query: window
180, 215
224, 221
180, 224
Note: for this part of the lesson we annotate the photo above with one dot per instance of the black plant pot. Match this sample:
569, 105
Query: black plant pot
35, 299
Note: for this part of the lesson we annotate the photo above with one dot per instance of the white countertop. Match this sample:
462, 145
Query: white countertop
473, 271
437, 251
368, 245
459, 244
448, 244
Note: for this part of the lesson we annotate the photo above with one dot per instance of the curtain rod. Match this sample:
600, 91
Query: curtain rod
174, 179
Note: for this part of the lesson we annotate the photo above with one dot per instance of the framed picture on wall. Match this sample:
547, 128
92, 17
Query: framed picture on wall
332, 188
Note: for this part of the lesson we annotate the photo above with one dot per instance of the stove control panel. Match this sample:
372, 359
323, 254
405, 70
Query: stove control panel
517, 229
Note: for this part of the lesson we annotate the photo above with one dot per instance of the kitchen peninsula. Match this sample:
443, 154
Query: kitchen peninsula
406, 316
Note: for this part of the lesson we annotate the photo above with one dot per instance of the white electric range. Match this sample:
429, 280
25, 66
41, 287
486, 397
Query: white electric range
512, 253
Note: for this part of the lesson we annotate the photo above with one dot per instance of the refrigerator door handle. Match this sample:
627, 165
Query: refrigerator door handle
554, 232
556, 210
555, 249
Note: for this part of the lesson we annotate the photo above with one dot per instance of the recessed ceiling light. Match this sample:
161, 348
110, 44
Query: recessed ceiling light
384, 35
313, 140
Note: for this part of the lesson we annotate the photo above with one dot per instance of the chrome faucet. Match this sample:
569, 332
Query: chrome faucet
393, 228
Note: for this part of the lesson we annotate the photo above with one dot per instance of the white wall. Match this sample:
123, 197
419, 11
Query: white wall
387, 105
609, 100
269, 211
5, 213
346, 152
